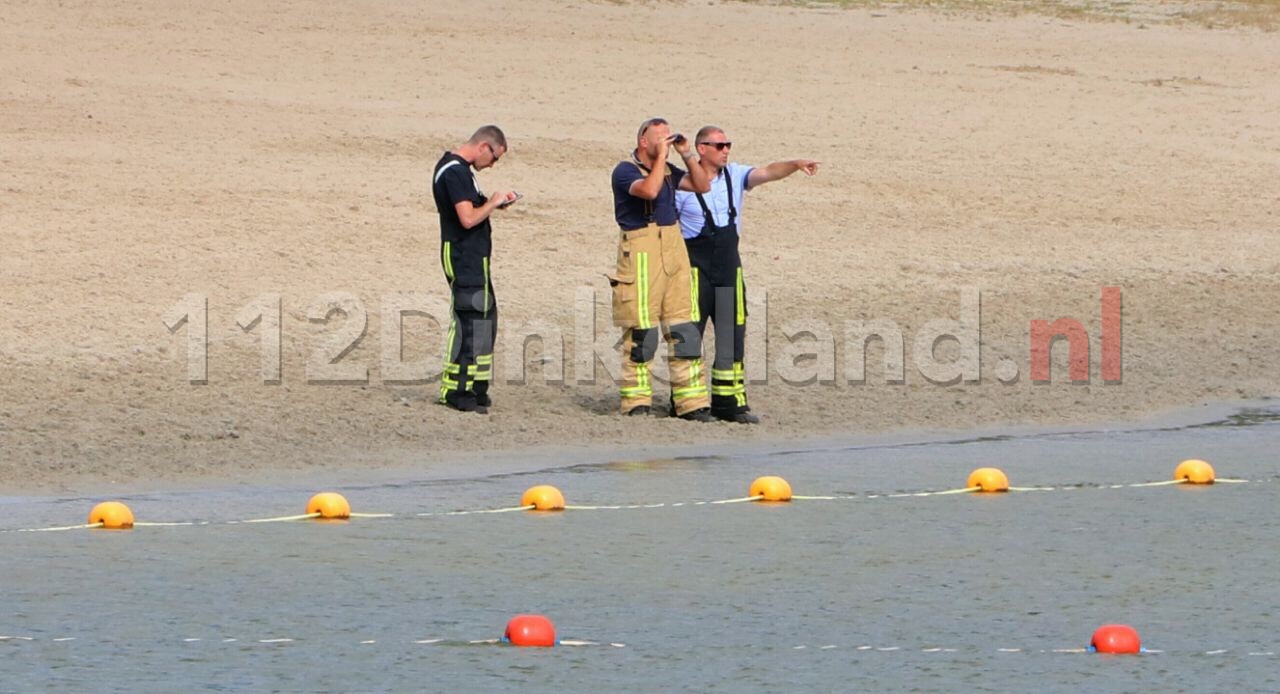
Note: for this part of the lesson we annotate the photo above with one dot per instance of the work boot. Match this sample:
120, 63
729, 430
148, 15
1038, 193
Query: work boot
466, 406
638, 411
742, 418
699, 415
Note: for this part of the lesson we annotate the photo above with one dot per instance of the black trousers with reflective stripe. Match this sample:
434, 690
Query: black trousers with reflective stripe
717, 268
468, 366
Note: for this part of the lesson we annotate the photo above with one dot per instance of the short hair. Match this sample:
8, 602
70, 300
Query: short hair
491, 134
649, 124
707, 130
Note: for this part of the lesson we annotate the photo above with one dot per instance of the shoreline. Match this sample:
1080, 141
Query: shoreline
392, 468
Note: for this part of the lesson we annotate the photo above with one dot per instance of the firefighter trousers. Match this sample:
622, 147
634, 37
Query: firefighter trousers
652, 298
720, 296
468, 366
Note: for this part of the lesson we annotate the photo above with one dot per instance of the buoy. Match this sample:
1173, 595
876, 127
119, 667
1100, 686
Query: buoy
543, 497
1194, 471
988, 479
113, 515
530, 630
1116, 638
329, 505
771, 488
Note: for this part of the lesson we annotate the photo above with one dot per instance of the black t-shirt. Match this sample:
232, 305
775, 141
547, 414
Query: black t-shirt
454, 182
636, 213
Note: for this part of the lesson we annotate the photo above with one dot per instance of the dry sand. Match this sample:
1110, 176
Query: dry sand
232, 149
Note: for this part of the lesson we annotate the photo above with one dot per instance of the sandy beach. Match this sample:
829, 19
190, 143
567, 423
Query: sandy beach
271, 161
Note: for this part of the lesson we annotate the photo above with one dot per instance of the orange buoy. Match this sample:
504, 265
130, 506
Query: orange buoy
329, 505
771, 488
1116, 638
113, 515
543, 497
1194, 471
989, 479
530, 630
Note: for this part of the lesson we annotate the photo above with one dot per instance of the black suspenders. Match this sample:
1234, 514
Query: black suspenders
710, 221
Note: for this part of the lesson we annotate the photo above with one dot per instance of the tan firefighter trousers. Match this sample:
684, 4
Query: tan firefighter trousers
652, 298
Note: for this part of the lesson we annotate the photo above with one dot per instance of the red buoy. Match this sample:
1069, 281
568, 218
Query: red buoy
530, 630
1116, 638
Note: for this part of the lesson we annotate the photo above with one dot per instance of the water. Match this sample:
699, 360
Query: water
942, 593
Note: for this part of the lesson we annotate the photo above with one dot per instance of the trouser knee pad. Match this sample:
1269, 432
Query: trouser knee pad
686, 341
644, 344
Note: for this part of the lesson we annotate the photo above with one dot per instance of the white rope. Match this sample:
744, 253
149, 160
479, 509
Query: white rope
757, 497
50, 530
527, 507
279, 519
613, 508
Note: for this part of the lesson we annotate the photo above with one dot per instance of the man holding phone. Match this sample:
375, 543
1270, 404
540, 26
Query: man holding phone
651, 291
465, 247
709, 224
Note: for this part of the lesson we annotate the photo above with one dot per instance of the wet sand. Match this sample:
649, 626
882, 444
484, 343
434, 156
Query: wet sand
147, 154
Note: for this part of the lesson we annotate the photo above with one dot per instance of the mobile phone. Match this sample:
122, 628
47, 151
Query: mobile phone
504, 205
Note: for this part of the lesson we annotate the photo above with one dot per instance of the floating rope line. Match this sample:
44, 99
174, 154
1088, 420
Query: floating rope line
332, 506
584, 642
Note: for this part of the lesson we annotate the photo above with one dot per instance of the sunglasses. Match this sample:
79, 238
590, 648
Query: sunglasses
720, 146
493, 152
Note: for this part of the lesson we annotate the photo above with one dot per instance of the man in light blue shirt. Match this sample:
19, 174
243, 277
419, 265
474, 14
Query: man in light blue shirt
709, 225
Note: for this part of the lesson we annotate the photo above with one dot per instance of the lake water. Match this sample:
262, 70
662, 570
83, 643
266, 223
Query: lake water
941, 593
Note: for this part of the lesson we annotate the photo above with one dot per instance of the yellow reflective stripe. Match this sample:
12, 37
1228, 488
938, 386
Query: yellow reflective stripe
694, 314
724, 390
642, 285
642, 386
724, 374
452, 384
447, 259
448, 342
486, 286
696, 387
740, 383
689, 392
741, 300
484, 359
452, 368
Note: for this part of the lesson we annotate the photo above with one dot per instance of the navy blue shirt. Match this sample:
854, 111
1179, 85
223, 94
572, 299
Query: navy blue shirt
464, 253
637, 213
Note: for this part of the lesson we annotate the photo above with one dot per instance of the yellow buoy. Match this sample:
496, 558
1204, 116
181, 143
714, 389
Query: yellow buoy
771, 488
543, 497
989, 479
113, 515
329, 505
1194, 471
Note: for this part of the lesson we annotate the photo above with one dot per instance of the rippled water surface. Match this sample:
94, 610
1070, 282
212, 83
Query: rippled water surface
959, 592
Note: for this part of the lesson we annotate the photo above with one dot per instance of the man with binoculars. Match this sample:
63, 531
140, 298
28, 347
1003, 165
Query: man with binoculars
652, 295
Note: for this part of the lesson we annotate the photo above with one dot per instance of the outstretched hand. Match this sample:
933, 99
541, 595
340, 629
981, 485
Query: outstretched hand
809, 166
